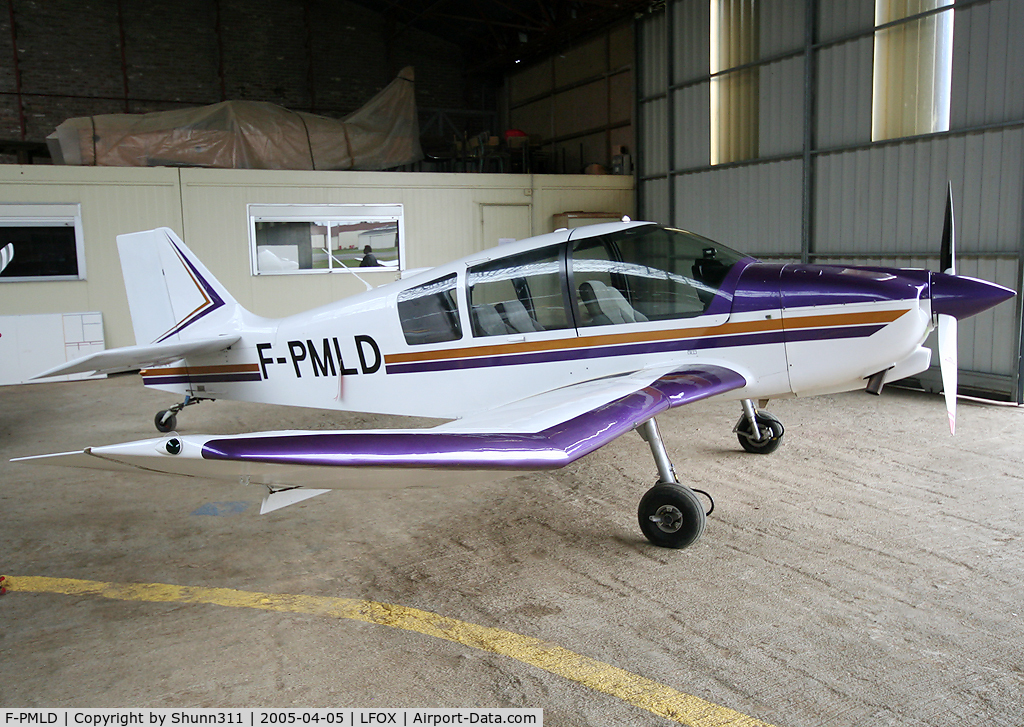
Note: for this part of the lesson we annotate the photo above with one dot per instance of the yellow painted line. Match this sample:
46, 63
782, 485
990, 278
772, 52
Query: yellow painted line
632, 688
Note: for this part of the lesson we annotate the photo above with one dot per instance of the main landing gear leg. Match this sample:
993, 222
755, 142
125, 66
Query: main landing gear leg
758, 431
166, 420
670, 514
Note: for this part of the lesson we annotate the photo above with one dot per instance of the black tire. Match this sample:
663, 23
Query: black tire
771, 433
684, 512
165, 426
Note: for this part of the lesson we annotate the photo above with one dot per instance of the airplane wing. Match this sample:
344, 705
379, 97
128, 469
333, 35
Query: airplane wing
543, 432
128, 358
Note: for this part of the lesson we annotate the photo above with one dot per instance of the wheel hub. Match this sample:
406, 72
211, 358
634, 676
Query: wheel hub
668, 518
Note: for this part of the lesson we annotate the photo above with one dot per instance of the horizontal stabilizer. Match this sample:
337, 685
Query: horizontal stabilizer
129, 358
284, 498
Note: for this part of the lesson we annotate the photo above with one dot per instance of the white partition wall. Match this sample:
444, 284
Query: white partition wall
444, 216
817, 187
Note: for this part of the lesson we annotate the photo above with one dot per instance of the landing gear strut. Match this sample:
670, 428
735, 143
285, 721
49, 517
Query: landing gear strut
758, 431
670, 514
166, 420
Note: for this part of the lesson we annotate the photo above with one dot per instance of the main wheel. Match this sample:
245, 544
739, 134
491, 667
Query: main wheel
671, 515
771, 433
165, 426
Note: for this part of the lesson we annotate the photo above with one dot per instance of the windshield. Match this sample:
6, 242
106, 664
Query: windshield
648, 273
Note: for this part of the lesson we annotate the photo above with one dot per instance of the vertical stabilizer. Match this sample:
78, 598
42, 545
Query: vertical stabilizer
171, 294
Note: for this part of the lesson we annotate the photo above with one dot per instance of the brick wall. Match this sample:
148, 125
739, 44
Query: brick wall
325, 57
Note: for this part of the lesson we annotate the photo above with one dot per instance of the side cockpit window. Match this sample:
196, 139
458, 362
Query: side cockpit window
430, 312
518, 294
647, 274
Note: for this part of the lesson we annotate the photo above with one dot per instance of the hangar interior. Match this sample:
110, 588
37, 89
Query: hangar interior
876, 585
821, 173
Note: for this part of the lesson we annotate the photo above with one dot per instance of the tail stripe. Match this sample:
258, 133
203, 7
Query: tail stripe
211, 301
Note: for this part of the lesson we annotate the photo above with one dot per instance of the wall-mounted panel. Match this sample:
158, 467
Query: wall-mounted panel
839, 18
691, 42
754, 209
782, 26
654, 127
692, 126
893, 197
781, 107
843, 93
653, 54
655, 200
988, 64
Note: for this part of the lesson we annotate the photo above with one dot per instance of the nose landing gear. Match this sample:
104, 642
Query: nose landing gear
758, 431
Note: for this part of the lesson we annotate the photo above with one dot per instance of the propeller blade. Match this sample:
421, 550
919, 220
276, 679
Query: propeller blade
947, 323
947, 255
948, 365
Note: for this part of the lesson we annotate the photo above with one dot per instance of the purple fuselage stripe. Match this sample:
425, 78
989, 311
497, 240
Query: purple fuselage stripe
200, 379
552, 448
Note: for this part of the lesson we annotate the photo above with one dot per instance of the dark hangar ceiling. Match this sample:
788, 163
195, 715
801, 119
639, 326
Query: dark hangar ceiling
494, 34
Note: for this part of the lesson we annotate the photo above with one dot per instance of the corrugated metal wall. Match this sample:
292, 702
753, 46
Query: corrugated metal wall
444, 220
820, 190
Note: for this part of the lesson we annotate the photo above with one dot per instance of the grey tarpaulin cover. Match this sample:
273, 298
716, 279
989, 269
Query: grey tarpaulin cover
382, 134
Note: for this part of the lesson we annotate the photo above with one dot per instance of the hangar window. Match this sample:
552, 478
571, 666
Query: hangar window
735, 45
41, 242
331, 238
430, 312
913, 68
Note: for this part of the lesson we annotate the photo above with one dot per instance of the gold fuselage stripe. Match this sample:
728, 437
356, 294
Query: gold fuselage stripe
770, 324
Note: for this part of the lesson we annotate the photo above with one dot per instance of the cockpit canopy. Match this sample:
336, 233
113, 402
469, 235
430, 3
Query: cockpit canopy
633, 275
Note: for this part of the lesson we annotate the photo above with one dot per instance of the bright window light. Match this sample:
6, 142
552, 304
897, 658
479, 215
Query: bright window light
912, 68
735, 42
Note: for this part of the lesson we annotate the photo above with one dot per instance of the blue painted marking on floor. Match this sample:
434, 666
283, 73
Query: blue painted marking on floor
221, 509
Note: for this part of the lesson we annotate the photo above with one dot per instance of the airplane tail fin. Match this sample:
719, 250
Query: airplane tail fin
171, 294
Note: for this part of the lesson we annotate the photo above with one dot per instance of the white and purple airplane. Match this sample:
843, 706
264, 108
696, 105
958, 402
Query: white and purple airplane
539, 353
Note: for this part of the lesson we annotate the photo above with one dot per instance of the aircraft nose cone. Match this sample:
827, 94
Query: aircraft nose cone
963, 297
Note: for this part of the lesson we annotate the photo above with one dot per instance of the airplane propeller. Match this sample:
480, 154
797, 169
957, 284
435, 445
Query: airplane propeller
947, 327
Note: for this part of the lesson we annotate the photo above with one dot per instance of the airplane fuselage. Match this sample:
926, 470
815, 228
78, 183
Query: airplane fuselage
434, 344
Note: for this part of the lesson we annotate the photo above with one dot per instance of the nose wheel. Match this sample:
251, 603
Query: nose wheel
758, 431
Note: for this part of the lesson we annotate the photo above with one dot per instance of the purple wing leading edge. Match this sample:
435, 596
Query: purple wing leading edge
551, 448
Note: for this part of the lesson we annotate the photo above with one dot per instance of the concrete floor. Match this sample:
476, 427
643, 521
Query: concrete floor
867, 573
